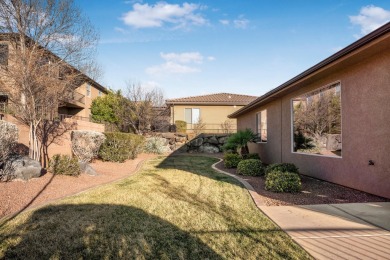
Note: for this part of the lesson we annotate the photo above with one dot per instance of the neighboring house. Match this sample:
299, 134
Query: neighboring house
332, 120
75, 103
210, 110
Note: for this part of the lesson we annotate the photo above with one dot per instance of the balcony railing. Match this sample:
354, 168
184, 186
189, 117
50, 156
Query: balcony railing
212, 128
64, 116
74, 97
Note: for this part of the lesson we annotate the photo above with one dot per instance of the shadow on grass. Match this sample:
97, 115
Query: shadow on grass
98, 231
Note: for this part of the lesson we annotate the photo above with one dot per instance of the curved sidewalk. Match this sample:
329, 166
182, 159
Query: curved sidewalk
333, 231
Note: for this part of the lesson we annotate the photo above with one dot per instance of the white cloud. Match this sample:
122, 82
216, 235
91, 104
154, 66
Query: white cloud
121, 30
149, 16
241, 23
224, 22
172, 68
185, 57
370, 18
178, 63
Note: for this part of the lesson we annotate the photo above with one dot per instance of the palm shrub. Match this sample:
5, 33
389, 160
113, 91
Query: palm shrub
64, 165
231, 160
250, 167
240, 141
279, 181
119, 147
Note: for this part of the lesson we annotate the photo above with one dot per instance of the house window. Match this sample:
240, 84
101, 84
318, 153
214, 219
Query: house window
316, 122
88, 90
192, 115
261, 126
4, 52
100, 93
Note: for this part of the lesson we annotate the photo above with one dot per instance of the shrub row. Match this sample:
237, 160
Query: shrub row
282, 177
64, 165
118, 147
231, 160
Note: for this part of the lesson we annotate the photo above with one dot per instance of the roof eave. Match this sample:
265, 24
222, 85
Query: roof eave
338, 55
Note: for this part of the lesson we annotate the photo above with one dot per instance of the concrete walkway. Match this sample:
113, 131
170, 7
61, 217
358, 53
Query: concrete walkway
333, 231
337, 231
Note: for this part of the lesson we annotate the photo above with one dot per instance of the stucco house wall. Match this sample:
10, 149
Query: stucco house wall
212, 116
365, 110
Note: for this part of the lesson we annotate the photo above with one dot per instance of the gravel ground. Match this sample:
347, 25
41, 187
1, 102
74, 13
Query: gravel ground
18, 195
314, 191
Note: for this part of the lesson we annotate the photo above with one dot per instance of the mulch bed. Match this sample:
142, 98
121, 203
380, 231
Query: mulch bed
314, 191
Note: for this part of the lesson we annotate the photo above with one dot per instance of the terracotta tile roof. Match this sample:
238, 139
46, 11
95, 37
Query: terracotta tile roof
214, 99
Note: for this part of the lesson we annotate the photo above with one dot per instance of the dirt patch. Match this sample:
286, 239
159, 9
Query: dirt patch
314, 191
18, 195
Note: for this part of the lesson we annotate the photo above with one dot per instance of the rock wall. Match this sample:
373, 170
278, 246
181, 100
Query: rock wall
207, 143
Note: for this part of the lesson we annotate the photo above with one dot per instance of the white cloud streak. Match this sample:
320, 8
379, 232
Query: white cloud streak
178, 63
370, 18
152, 16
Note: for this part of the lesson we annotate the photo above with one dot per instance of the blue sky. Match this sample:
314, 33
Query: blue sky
203, 47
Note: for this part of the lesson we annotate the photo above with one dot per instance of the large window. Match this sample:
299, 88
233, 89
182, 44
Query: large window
261, 126
317, 122
4, 52
192, 115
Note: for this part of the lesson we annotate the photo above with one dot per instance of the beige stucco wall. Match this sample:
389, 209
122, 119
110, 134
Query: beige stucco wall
86, 112
212, 116
365, 95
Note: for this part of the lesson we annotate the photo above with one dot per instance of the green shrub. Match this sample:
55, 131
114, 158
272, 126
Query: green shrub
231, 160
251, 156
278, 181
250, 167
119, 147
283, 167
64, 165
181, 126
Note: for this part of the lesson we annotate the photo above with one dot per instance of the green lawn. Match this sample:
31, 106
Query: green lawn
175, 208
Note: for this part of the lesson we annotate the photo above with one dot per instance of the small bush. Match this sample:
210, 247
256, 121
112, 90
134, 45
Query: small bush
251, 156
181, 126
64, 165
283, 167
231, 160
156, 145
250, 167
119, 147
86, 144
278, 181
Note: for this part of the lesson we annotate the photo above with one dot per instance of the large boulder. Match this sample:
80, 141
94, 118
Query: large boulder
222, 139
208, 148
196, 142
26, 168
213, 140
87, 169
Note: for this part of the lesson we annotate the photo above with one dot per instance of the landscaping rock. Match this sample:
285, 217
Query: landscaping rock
87, 169
222, 139
213, 140
26, 168
208, 148
196, 142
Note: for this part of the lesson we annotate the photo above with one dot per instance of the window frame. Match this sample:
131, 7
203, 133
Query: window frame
192, 118
336, 84
258, 131
6, 54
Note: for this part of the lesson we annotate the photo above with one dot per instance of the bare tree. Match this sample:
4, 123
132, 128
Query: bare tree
49, 43
138, 111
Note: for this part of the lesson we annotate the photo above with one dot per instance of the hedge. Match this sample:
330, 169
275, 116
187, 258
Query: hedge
119, 147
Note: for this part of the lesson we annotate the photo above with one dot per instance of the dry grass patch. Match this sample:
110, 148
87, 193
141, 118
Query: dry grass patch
175, 208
